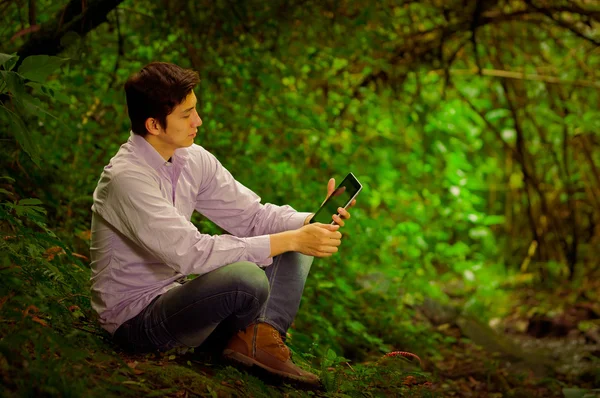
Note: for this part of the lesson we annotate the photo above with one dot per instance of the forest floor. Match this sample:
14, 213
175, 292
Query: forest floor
549, 346
464, 369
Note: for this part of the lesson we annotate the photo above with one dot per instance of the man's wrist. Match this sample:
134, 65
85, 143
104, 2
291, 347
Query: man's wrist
283, 242
292, 243
307, 219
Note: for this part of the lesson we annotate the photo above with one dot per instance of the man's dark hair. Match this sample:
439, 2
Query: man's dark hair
155, 90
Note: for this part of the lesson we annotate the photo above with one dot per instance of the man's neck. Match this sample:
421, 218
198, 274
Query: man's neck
165, 152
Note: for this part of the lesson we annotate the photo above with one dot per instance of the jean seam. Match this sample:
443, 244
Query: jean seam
263, 313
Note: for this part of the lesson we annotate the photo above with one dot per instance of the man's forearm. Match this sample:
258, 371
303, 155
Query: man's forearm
282, 242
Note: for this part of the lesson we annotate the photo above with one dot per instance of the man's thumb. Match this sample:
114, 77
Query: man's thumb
330, 186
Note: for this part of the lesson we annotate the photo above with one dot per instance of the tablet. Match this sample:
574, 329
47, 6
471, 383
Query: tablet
341, 197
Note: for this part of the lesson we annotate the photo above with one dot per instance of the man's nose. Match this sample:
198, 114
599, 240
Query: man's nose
198, 121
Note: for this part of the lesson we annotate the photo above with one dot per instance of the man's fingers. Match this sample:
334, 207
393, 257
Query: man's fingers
328, 249
329, 227
333, 235
343, 213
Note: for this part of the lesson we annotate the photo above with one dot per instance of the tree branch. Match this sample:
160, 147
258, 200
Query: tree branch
416, 46
77, 16
32, 13
562, 23
522, 76
120, 50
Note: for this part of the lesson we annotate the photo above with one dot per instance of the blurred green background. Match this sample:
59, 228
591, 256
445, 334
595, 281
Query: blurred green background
473, 126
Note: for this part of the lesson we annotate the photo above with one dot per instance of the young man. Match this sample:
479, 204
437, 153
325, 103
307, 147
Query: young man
143, 243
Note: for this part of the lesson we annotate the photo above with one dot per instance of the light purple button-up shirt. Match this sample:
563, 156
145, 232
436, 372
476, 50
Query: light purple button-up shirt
142, 237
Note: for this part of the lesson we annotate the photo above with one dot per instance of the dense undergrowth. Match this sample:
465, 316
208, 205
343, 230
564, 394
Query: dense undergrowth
479, 159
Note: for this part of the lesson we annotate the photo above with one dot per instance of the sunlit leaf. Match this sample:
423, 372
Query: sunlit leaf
39, 67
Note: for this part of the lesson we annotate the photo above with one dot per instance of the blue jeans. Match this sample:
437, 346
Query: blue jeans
209, 309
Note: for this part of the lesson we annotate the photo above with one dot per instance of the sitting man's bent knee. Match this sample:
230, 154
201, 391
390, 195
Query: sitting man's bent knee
247, 277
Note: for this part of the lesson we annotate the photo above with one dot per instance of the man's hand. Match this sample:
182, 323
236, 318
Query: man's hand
344, 214
318, 240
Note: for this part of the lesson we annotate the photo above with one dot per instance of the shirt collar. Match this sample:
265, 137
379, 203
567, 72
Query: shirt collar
151, 155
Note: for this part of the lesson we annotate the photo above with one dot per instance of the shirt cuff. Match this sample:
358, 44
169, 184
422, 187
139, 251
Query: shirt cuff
259, 250
297, 220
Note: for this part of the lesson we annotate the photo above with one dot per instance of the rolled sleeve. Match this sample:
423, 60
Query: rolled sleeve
260, 249
297, 221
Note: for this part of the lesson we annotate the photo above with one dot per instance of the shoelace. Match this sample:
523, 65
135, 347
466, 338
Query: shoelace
278, 339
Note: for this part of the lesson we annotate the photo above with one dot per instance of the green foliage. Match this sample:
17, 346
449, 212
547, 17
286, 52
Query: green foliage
462, 166
332, 381
32, 72
43, 290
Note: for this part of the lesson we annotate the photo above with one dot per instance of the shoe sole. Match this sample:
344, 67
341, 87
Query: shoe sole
247, 361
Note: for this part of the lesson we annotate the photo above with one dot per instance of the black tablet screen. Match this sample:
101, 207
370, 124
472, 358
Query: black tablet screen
339, 198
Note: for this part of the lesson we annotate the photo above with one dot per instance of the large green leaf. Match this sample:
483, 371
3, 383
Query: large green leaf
4, 58
39, 67
50, 92
30, 105
14, 82
22, 134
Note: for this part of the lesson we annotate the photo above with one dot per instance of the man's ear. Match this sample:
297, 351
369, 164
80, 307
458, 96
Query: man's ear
153, 126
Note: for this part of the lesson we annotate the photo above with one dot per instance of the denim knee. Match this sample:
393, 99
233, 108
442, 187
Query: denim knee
251, 279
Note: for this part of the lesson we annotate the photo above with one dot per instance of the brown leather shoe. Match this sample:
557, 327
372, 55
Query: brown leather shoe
261, 345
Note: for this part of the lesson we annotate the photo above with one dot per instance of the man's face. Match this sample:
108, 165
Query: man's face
182, 124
